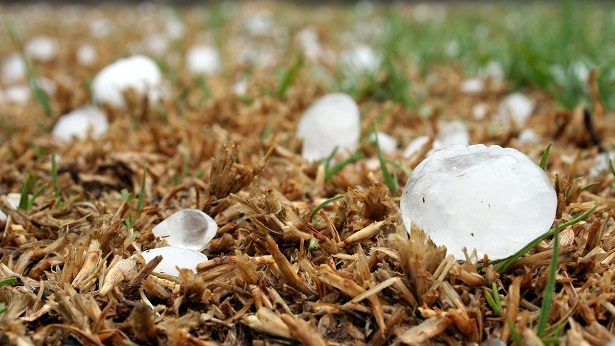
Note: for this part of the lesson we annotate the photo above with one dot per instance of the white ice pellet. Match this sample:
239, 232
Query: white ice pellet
601, 164
529, 136
360, 58
331, 121
100, 27
309, 43
240, 87
86, 55
79, 122
493, 70
17, 94
204, 59
137, 72
516, 108
188, 228
13, 68
451, 133
472, 86
173, 258
13, 199
388, 143
42, 48
415, 146
488, 198
479, 111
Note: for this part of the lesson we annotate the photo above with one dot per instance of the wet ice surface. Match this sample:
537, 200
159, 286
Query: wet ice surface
172, 258
491, 199
331, 121
188, 228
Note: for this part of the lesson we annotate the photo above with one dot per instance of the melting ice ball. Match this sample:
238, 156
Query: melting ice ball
78, 122
188, 228
138, 72
332, 121
488, 198
173, 258
204, 59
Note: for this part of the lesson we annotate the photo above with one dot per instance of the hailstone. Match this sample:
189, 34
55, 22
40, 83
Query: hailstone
516, 108
204, 59
78, 122
173, 258
488, 198
190, 229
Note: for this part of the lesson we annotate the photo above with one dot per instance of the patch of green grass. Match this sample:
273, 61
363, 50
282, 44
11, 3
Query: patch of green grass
324, 204
29, 192
288, 77
390, 180
545, 156
493, 299
332, 169
547, 297
504, 264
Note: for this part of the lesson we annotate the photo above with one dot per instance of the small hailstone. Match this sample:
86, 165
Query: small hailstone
204, 59
241, 87
488, 198
190, 229
309, 43
452, 133
259, 24
493, 70
174, 257
86, 55
388, 143
100, 27
479, 111
601, 164
415, 146
42, 48
452, 48
529, 136
13, 199
472, 86
137, 72
156, 44
581, 71
13, 68
17, 94
360, 58
516, 107
331, 121
79, 122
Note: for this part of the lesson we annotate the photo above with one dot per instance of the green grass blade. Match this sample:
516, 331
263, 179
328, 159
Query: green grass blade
54, 179
289, 76
504, 264
514, 333
331, 171
141, 193
490, 301
545, 156
390, 181
2, 308
496, 297
324, 204
547, 300
8, 281
26, 190
611, 167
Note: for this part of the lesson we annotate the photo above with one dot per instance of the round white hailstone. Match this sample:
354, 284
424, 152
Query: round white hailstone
517, 108
100, 27
189, 229
48, 86
472, 86
137, 72
241, 87
601, 164
174, 27
42, 48
17, 94
204, 59
331, 121
309, 43
529, 136
13, 199
156, 44
452, 48
79, 122
488, 198
360, 59
173, 258
581, 71
452, 133
493, 70
86, 55
415, 146
388, 143
479, 111
259, 24
13, 68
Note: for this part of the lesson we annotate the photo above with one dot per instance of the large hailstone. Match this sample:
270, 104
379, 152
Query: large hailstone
190, 229
332, 121
137, 72
488, 198
204, 59
173, 258
79, 122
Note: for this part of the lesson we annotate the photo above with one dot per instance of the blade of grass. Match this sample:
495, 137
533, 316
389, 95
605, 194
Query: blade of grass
141, 193
11, 280
289, 76
391, 182
331, 171
503, 264
611, 167
491, 301
514, 333
547, 300
54, 179
545, 156
496, 297
26, 191
324, 204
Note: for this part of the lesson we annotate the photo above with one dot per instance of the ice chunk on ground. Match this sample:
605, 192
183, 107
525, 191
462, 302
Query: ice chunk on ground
479, 111
488, 198
452, 133
472, 86
529, 136
493, 70
361, 58
13, 69
137, 72
517, 108
13, 199
79, 122
204, 59
42, 48
188, 228
86, 55
331, 121
309, 43
415, 146
601, 164
174, 257
388, 143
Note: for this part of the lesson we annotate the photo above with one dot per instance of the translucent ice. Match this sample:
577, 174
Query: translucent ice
517, 108
173, 258
138, 72
488, 198
13, 199
42, 48
78, 122
388, 143
452, 133
332, 121
190, 229
203, 59
415, 146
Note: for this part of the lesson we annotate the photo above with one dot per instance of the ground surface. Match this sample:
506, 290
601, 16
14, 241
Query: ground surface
279, 273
